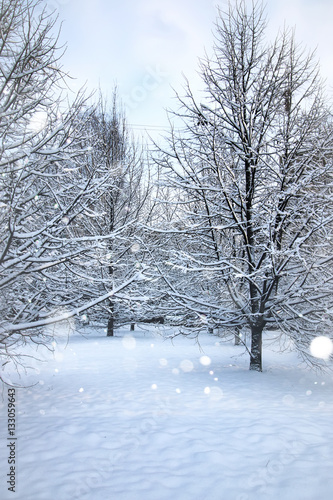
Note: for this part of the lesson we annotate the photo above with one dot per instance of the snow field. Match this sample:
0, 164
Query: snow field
138, 416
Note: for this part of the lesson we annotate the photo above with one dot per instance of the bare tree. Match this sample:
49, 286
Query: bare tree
252, 167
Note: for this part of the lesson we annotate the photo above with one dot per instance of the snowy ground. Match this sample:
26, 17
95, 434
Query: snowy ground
139, 417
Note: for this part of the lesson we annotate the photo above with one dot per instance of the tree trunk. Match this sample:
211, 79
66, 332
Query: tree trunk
237, 336
110, 331
256, 348
132, 327
110, 326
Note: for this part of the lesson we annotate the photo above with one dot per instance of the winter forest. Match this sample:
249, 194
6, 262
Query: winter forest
214, 242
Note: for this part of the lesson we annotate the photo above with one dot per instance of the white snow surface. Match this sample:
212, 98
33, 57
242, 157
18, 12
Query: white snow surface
138, 416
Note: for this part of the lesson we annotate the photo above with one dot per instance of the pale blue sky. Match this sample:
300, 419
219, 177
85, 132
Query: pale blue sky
145, 45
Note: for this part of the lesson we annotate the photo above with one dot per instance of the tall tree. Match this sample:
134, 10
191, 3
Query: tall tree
48, 188
252, 166
121, 209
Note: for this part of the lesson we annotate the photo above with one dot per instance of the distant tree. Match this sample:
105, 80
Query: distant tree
121, 209
252, 168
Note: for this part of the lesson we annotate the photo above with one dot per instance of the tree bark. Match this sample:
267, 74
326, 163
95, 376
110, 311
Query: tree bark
110, 331
237, 336
256, 348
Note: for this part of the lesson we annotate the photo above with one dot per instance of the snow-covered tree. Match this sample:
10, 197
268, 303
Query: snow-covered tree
119, 211
49, 188
252, 169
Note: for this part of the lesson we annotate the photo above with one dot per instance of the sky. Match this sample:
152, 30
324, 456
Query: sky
145, 47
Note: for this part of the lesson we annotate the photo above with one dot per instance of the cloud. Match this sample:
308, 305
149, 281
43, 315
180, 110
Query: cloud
312, 21
111, 41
